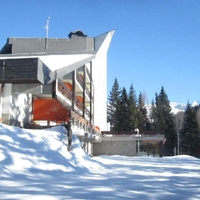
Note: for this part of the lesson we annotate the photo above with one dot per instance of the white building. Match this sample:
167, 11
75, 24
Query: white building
53, 80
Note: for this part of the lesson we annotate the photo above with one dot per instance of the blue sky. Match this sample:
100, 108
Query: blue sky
156, 43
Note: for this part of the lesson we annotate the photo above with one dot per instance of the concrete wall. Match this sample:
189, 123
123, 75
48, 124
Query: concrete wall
115, 146
99, 68
20, 110
5, 103
15, 108
100, 92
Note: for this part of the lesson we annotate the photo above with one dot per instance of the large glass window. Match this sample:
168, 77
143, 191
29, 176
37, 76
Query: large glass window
149, 148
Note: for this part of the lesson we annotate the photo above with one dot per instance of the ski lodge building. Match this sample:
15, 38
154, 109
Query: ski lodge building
46, 81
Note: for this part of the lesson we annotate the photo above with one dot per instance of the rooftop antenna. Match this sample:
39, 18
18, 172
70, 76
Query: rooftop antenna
47, 33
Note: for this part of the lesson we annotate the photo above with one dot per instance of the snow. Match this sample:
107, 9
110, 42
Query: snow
35, 164
175, 107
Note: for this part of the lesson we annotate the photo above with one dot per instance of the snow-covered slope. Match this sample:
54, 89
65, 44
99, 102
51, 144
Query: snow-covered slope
35, 164
180, 107
176, 107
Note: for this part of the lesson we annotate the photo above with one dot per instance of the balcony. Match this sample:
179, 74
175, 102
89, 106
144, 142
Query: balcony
80, 79
64, 92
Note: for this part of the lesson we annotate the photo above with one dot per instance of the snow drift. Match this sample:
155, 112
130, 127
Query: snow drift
35, 164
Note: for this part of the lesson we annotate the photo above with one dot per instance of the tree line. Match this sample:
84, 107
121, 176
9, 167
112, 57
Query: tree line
126, 112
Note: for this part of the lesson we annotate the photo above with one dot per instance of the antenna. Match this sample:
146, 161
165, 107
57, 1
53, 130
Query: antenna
47, 33
47, 27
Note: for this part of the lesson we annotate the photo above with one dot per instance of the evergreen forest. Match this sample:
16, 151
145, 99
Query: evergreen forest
127, 111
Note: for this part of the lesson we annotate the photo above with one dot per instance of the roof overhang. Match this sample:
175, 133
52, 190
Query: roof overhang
39, 68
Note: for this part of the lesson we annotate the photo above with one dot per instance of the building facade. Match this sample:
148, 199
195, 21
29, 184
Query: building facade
129, 143
53, 80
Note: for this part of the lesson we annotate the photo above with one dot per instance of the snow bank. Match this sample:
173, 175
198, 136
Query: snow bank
35, 164
23, 150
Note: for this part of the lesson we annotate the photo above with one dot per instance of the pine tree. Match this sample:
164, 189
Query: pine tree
162, 110
123, 116
198, 114
142, 113
153, 116
132, 103
190, 133
113, 105
164, 121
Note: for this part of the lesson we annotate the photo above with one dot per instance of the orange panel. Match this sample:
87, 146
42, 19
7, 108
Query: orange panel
81, 76
96, 127
49, 110
80, 98
69, 85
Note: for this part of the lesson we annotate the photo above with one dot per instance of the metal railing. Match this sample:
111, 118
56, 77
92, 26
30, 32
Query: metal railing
87, 71
67, 93
78, 103
64, 90
79, 79
81, 82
